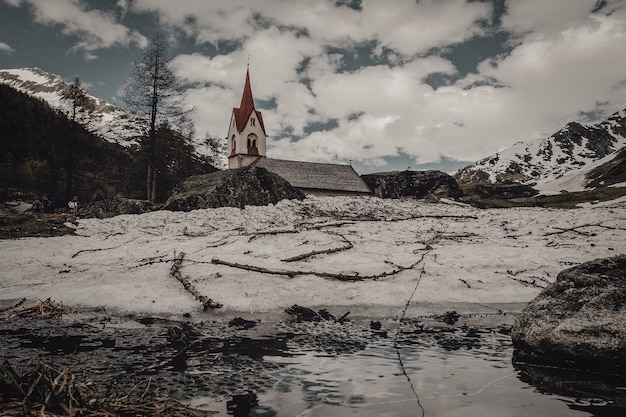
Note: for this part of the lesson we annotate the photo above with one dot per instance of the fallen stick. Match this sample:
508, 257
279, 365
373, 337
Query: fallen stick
574, 229
291, 274
348, 246
207, 302
317, 252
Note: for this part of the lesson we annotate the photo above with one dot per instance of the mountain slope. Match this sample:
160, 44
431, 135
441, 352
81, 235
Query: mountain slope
43, 153
541, 161
105, 120
607, 171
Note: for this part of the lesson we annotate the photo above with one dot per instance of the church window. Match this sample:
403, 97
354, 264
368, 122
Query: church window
252, 121
234, 143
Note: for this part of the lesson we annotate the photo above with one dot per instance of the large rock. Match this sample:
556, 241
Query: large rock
579, 321
252, 186
418, 184
114, 207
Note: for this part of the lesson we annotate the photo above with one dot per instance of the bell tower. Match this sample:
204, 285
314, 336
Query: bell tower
246, 131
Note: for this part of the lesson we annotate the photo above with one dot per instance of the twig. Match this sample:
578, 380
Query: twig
348, 246
95, 250
574, 229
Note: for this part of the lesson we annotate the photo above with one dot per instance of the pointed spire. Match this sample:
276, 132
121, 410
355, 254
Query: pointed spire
247, 102
247, 106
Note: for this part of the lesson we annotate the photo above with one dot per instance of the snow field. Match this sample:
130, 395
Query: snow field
382, 251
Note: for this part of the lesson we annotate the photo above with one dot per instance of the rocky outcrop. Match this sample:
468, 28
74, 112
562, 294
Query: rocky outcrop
505, 191
114, 207
579, 321
611, 172
418, 184
249, 186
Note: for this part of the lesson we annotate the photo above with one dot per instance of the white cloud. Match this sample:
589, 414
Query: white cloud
565, 61
311, 59
95, 28
6, 48
552, 76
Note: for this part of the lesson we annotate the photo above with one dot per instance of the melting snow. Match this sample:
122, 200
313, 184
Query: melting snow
457, 257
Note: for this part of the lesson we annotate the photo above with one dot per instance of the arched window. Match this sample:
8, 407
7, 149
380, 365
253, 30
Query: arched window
233, 144
252, 143
252, 121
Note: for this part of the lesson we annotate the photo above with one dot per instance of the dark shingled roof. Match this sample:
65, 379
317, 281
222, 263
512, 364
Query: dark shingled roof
316, 176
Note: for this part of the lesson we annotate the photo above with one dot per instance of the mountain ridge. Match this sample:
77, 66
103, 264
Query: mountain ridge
541, 161
104, 119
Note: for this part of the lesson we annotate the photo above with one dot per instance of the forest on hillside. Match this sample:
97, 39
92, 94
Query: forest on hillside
43, 154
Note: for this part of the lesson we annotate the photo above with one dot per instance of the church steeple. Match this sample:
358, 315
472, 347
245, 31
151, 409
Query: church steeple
246, 132
246, 99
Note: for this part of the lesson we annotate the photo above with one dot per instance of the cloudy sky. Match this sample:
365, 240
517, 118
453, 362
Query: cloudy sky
385, 84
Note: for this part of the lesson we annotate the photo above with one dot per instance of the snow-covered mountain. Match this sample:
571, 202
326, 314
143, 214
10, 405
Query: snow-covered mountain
574, 147
105, 119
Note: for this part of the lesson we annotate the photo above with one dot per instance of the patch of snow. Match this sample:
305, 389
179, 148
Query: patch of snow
618, 202
453, 254
572, 181
618, 185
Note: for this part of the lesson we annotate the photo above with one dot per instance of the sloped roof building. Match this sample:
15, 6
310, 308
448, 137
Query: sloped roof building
247, 147
317, 178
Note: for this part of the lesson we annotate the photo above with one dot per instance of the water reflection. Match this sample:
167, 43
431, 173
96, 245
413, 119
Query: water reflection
598, 394
471, 380
318, 369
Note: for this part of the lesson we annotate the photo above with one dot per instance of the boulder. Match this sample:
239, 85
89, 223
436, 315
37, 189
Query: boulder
114, 207
418, 184
579, 321
252, 186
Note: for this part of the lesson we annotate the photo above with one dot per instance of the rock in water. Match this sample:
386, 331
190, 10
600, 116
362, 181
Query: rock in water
579, 321
249, 186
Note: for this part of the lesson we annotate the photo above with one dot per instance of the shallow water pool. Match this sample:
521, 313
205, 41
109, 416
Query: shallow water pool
418, 371
416, 367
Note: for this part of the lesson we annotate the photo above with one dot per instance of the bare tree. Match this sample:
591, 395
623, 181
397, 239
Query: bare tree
154, 93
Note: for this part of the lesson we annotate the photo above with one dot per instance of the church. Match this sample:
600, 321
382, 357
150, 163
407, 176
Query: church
247, 140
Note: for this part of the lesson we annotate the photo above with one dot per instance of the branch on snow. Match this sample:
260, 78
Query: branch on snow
347, 246
575, 229
207, 303
340, 277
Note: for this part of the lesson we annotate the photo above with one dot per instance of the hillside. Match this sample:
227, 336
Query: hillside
103, 119
45, 155
541, 161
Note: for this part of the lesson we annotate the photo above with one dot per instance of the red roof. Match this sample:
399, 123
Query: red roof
242, 114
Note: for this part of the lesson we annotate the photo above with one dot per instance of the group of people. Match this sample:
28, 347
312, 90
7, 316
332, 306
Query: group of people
46, 205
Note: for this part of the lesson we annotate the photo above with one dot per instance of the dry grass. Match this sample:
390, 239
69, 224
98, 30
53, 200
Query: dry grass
48, 392
48, 309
